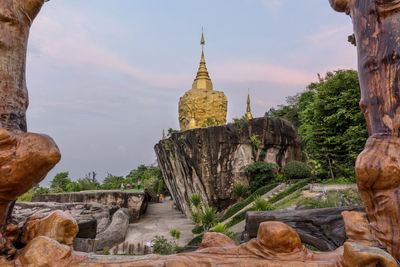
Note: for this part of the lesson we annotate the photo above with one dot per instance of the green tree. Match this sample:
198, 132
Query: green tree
333, 127
60, 182
112, 182
289, 112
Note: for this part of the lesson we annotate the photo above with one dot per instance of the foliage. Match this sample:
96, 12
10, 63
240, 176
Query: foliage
340, 180
260, 174
255, 142
222, 229
36, 190
162, 246
240, 120
239, 191
195, 200
330, 122
239, 206
88, 184
209, 218
196, 241
60, 182
333, 127
261, 204
74, 187
112, 182
296, 170
198, 229
175, 235
289, 112
334, 199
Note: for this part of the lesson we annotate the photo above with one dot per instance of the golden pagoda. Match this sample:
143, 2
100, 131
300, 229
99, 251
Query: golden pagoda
249, 116
201, 106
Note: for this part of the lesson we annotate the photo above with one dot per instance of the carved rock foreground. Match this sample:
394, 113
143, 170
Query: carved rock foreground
276, 245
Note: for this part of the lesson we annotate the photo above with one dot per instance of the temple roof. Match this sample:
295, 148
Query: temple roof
202, 81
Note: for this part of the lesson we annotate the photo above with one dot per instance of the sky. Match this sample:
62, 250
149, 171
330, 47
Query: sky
105, 77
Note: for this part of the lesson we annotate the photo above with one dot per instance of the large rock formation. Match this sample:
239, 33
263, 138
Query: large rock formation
136, 203
208, 161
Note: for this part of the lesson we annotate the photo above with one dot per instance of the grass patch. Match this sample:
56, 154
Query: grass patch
340, 180
239, 206
290, 201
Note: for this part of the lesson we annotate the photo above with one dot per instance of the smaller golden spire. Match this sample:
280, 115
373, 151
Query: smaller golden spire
163, 134
249, 116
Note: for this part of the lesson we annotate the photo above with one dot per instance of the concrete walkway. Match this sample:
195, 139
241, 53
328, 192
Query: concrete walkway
159, 219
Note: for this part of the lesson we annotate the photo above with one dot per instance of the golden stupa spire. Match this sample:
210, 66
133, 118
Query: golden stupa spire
163, 134
248, 112
202, 81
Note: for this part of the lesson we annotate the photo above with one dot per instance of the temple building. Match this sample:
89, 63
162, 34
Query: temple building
201, 106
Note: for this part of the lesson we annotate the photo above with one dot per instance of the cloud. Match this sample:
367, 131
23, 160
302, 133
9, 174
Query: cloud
242, 71
74, 48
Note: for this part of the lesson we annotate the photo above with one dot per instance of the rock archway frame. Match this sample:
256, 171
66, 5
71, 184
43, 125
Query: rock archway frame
25, 158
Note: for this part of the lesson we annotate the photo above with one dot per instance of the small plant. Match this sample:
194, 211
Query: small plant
209, 218
175, 235
195, 200
255, 142
296, 170
280, 178
222, 229
239, 191
162, 246
261, 204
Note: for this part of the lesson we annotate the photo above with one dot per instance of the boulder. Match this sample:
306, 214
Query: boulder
115, 232
59, 225
208, 161
321, 228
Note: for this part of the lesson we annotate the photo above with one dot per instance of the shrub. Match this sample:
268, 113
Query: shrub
296, 170
260, 174
196, 241
239, 191
175, 235
195, 200
209, 218
162, 246
261, 204
198, 229
255, 142
222, 229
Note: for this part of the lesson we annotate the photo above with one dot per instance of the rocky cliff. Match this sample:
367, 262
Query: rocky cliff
208, 161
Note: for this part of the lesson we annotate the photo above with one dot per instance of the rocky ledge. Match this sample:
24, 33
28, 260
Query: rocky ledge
208, 161
136, 203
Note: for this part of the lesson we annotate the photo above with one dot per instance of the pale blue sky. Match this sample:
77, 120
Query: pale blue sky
105, 77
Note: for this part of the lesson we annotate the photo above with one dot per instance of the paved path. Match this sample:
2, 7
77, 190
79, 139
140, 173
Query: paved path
158, 220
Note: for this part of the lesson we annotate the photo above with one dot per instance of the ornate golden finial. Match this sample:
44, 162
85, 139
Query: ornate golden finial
163, 134
202, 80
248, 112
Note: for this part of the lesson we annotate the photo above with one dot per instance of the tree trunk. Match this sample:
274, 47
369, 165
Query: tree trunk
16, 17
377, 32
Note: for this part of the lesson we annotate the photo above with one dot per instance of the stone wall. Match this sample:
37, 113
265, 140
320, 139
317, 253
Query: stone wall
208, 161
136, 203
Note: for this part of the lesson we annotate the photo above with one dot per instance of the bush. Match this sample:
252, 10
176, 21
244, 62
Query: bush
296, 170
239, 191
198, 229
209, 218
260, 174
196, 241
222, 229
195, 200
162, 246
261, 204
